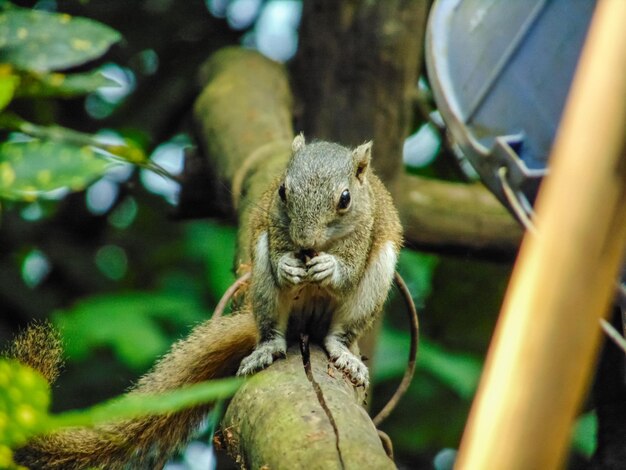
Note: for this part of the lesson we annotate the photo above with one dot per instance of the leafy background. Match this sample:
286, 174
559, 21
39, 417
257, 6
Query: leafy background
90, 115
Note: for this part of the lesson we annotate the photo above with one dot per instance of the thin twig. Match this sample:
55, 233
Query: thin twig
230, 292
385, 440
124, 152
410, 367
158, 170
613, 334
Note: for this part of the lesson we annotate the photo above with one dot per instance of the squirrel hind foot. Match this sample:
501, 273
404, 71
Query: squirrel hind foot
263, 356
347, 362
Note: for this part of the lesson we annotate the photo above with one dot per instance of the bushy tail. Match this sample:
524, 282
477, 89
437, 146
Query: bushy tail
214, 349
39, 346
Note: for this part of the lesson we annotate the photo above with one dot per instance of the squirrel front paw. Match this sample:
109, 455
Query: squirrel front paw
291, 270
347, 362
263, 355
323, 268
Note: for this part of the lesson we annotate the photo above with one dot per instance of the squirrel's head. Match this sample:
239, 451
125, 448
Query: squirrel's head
324, 194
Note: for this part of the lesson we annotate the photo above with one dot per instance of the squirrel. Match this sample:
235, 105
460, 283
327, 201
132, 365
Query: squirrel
325, 239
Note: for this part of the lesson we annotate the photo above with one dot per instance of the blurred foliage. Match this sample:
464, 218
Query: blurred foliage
132, 318
34, 46
417, 269
32, 168
585, 434
457, 371
25, 397
24, 401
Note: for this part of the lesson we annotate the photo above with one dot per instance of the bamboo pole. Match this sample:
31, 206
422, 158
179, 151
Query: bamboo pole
546, 342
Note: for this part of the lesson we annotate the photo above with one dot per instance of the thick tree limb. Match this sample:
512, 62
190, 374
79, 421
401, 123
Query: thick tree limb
443, 214
244, 121
280, 419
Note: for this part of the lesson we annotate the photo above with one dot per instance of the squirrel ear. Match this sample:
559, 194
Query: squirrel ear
298, 142
362, 156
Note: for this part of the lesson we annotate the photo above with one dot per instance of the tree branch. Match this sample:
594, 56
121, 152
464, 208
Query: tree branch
443, 214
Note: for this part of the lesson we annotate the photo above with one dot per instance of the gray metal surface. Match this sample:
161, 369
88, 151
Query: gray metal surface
500, 72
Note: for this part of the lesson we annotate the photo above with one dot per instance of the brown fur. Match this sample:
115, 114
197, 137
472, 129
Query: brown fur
39, 346
213, 350
336, 291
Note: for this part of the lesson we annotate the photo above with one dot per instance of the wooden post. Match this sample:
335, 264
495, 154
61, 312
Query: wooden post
546, 342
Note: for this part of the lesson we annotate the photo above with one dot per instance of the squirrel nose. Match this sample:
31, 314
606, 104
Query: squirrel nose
305, 240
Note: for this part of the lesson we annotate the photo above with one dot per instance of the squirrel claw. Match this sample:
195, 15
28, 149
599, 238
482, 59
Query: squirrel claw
322, 268
291, 270
263, 356
353, 369
351, 366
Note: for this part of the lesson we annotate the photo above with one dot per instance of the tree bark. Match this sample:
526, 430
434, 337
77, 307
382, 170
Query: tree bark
290, 416
443, 214
357, 66
243, 116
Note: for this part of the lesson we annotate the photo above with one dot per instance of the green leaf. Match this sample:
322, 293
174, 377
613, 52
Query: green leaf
458, 371
58, 85
215, 244
135, 405
8, 84
128, 323
585, 434
417, 269
42, 41
24, 401
391, 354
30, 169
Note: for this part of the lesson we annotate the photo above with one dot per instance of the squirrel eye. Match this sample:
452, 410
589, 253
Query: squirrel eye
344, 200
281, 193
